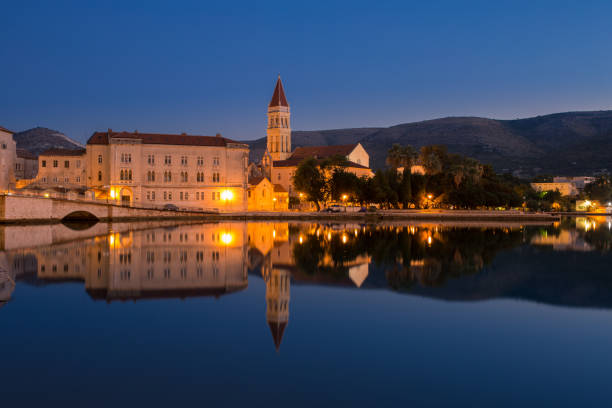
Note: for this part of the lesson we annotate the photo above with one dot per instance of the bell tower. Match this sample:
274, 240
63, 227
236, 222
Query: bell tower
279, 124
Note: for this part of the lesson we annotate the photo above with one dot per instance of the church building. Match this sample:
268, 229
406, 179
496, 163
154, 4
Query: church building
280, 162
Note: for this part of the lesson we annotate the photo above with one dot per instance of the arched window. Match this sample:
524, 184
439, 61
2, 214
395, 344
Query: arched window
99, 176
121, 175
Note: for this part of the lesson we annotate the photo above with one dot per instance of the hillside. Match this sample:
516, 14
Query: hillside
39, 139
568, 143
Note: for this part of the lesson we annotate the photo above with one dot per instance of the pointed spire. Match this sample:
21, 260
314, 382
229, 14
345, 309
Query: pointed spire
278, 98
277, 329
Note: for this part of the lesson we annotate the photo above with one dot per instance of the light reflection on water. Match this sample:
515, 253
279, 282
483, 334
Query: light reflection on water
565, 264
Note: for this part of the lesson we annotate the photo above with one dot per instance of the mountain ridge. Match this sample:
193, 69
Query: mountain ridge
527, 146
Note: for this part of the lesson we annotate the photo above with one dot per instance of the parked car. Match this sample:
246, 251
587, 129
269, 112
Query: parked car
171, 207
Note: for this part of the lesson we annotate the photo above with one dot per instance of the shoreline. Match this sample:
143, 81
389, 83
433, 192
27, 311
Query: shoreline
370, 217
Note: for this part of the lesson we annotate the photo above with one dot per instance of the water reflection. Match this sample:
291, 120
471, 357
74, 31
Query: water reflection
118, 262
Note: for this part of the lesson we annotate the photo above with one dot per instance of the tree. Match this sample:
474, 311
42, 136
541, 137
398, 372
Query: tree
309, 179
401, 156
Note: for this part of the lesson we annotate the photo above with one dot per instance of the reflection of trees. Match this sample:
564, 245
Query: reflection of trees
427, 255
599, 238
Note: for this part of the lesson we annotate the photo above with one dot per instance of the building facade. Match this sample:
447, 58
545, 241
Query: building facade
157, 170
62, 168
26, 165
8, 149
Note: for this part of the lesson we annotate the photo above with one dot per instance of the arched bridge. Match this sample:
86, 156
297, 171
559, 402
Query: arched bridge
14, 208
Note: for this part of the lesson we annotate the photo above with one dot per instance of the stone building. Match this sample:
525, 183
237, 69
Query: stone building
265, 196
63, 168
8, 149
280, 162
156, 170
26, 165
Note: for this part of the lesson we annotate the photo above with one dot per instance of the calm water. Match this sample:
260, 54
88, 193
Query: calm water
281, 314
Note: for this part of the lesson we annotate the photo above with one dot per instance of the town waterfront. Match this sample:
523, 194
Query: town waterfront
307, 313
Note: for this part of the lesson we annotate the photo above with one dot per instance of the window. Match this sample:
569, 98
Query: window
200, 177
151, 159
200, 161
165, 195
197, 195
55, 179
4, 145
55, 163
126, 157
44, 179
150, 176
168, 160
66, 179
184, 160
216, 177
66, 164
184, 177
78, 179
181, 195
100, 159
167, 176
186, 195
78, 164
170, 195
215, 161
249, 193
99, 176
152, 195
43, 163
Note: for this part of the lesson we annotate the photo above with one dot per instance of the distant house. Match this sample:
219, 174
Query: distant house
566, 188
265, 196
26, 165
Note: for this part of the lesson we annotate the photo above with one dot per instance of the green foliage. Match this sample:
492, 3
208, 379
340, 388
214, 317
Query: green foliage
600, 189
309, 179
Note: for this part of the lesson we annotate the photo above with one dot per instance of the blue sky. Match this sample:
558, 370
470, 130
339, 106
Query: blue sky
207, 67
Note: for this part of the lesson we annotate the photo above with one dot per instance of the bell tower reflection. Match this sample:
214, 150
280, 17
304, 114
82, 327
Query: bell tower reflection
273, 241
278, 286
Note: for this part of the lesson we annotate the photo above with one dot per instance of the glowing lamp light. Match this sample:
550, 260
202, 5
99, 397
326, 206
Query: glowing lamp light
227, 195
227, 238
344, 197
113, 193
301, 240
46, 195
429, 196
344, 238
429, 240
111, 240
273, 233
274, 199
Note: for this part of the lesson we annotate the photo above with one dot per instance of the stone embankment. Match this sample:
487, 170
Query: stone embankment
23, 209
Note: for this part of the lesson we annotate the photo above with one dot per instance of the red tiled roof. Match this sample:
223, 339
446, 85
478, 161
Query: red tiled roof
294, 162
24, 154
279, 189
278, 97
6, 130
255, 180
322, 152
63, 152
102, 138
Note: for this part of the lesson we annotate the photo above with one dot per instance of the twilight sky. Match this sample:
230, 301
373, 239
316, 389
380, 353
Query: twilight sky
205, 67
